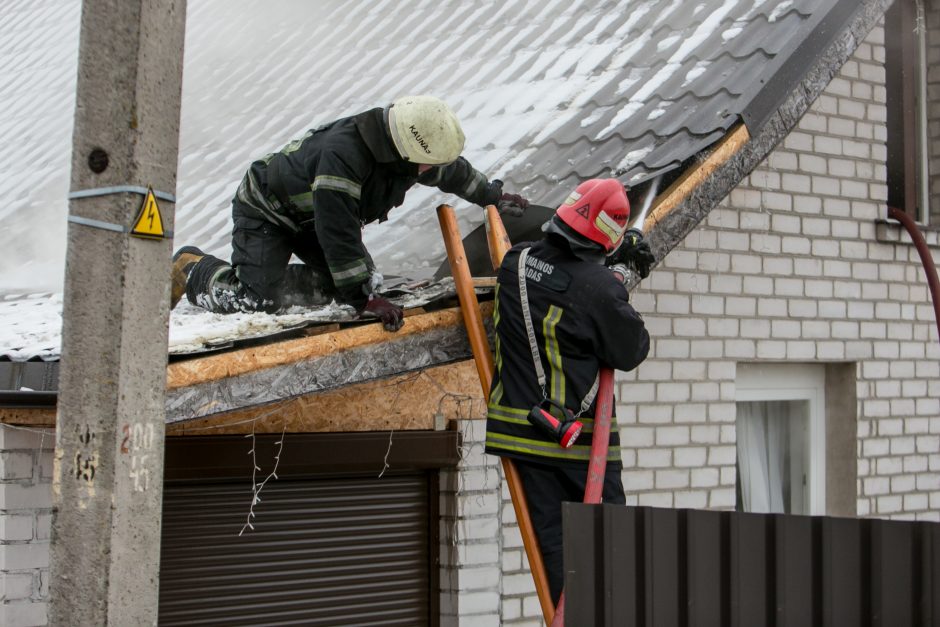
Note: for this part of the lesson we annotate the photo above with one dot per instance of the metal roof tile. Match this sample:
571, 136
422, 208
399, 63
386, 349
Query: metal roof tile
548, 92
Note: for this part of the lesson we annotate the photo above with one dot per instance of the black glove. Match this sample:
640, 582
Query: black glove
634, 250
391, 315
512, 205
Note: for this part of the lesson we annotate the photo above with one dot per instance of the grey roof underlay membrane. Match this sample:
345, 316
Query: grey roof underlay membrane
549, 93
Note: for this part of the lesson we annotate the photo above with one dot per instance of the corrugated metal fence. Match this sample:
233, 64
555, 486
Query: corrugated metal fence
651, 567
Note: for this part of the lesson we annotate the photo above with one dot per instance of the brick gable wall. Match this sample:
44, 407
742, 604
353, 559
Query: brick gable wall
791, 267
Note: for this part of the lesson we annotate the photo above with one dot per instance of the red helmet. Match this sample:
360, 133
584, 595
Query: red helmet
598, 209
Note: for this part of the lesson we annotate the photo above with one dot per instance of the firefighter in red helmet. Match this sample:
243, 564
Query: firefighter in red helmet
560, 315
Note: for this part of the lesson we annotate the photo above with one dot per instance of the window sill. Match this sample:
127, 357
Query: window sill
893, 232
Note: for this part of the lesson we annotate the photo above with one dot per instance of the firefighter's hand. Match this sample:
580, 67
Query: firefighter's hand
621, 271
391, 315
512, 205
634, 251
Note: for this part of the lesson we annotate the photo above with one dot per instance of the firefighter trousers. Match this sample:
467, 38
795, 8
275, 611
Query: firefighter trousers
546, 486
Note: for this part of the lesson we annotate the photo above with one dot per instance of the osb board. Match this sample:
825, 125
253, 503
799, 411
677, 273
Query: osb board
409, 398
44, 417
410, 401
221, 366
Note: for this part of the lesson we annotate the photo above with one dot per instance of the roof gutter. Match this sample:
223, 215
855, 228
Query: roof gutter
27, 399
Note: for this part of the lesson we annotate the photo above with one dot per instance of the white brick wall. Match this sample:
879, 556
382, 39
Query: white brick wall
474, 564
791, 267
25, 523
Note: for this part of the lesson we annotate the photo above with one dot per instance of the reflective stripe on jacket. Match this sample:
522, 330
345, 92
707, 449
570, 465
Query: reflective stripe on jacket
582, 319
341, 176
508, 432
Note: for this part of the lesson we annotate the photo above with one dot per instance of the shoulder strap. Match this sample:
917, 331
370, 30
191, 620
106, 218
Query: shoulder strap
527, 317
533, 343
276, 183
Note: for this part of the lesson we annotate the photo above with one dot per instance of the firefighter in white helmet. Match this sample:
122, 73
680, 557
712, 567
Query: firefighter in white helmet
560, 315
312, 199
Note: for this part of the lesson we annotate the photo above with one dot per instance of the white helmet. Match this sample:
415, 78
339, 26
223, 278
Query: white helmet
425, 130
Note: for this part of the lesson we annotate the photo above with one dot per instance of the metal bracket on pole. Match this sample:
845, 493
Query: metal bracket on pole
120, 189
148, 210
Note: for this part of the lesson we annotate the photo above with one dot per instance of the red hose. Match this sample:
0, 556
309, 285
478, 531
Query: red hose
597, 466
925, 258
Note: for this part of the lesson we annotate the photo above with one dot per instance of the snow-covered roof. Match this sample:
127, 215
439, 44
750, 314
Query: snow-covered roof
549, 93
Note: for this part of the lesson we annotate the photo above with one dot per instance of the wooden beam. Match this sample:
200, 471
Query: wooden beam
261, 376
682, 187
419, 400
224, 365
28, 417
300, 367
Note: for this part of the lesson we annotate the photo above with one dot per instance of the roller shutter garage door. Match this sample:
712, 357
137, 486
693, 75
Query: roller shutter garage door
332, 544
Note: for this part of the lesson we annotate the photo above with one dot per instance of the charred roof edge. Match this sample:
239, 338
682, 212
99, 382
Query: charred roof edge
673, 228
845, 17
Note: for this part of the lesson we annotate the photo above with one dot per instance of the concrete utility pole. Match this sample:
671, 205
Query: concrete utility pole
108, 483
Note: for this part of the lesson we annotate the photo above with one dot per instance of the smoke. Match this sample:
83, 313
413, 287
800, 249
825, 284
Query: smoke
39, 46
33, 241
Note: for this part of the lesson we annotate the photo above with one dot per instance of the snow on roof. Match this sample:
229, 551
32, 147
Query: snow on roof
549, 93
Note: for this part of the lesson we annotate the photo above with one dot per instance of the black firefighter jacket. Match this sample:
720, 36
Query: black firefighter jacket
582, 320
338, 178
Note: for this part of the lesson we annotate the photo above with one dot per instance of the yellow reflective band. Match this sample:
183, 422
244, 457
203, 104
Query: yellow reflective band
303, 201
609, 227
520, 417
294, 146
497, 394
552, 318
471, 187
337, 184
350, 273
522, 445
508, 411
510, 419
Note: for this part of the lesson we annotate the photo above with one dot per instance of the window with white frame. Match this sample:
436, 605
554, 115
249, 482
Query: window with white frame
781, 438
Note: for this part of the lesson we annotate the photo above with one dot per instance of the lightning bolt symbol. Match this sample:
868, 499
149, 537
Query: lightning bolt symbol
151, 212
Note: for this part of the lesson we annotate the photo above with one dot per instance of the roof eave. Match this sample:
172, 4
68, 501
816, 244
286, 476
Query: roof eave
767, 130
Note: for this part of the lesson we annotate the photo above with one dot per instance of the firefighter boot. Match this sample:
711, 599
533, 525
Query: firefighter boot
183, 262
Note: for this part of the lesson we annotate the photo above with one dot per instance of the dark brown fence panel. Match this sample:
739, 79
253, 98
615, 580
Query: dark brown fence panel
652, 567
666, 556
930, 587
625, 565
845, 568
751, 557
708, 564
797, 576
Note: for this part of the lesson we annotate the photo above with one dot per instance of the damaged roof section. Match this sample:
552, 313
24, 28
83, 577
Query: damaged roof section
682, 75
778, 110
549, 93
294, 368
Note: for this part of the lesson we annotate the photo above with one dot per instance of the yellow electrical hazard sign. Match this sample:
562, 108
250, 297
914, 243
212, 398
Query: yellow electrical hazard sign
149, 222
